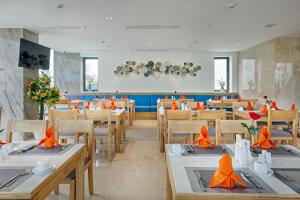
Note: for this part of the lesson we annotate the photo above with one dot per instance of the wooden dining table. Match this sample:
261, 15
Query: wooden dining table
39, 187
180, 187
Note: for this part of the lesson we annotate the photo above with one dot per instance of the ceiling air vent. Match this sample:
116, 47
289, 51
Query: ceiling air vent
147, 27
55, 28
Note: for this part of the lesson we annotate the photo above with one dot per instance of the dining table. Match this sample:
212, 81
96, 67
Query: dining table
188, 176
31, 186
244, 114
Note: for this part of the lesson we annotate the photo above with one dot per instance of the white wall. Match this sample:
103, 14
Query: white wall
203, 82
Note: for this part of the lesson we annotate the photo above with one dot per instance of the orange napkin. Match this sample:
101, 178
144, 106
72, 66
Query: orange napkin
197, 106
112, 106
182, 97
273, 105
77, 98
103, 106
174, 107
166, 97
69, 99
49, 140
87, 106
216, 98
293, 107
203, 139
264, 110
1, 142
264, 142
225, 176
232, 97
249, 106
239, 99
110, 98
203, 107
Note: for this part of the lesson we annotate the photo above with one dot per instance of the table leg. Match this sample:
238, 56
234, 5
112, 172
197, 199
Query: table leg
169, 195
79, 178
118, 135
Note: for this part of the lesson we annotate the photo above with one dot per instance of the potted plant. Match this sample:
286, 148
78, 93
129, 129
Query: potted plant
39, 90
221, 83
252, 130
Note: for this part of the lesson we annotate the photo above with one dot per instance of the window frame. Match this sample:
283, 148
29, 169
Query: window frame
227, 58
84, 72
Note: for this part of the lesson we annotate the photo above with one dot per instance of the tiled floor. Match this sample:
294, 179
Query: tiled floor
137, 173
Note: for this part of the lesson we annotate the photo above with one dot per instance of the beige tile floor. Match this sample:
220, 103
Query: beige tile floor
137, 173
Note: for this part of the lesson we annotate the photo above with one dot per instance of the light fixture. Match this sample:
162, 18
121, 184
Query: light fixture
270, 25
60, 5
150, 45
231, 5
109, 18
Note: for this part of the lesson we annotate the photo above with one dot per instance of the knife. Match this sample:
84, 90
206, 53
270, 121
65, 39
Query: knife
251, 180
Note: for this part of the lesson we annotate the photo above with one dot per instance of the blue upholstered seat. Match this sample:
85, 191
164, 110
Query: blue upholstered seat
280, 133
290, 131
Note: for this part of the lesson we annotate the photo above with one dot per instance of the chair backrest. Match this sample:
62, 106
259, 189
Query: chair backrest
178, 114
185, 100
77, 126
211, 115
168, 104
185, 126
192, 104
120, 103
237, 105
25, 126
227, 129
100, 116
227, 102
283, 115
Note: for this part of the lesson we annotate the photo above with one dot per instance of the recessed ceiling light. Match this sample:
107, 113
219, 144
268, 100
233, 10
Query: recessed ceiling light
60, 5
231, 5
109, 18
150, 45
270, 25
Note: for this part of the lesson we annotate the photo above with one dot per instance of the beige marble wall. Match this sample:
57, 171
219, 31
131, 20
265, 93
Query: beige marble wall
67, 72
271, 68
12, 77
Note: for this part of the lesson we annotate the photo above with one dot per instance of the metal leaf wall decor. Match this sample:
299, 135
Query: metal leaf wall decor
156, 69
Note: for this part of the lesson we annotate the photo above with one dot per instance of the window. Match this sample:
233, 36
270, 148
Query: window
90, 74
221, 73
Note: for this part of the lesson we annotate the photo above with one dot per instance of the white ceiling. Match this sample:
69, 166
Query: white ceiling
206, 25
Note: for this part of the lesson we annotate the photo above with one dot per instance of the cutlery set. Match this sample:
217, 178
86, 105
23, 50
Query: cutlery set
14, 179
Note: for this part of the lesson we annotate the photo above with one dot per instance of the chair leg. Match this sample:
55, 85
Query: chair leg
109, 148
56, 189
91, 179
72, 190
169, 138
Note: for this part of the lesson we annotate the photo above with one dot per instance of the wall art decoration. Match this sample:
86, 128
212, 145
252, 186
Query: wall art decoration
156, 69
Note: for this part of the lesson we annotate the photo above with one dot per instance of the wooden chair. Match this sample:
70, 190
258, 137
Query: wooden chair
175, 115
54, 115
168, 104
277, 134
101, 132
211, 116
185, 100
192, 104
25, 126
227, 129
184, 128
82, 126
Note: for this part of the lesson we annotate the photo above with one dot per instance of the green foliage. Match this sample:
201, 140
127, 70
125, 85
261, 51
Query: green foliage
252, 130
40, 91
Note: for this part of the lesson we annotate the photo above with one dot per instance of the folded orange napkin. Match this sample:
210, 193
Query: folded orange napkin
203, 139
203, 107
49, 140
110, 98
197, 106
112, 106
239, 99
174, 106
273, 105
166, 97
224, 176
293, 107
264, 141
264, 110
216, 98
77, 98
249, 106
182, 97
1, 142
103, 106
232, 97
87, 106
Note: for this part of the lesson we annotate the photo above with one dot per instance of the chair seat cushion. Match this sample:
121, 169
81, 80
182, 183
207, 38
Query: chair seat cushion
290, 131
67, 134
283, 123
212, 132
100, 131
280, 133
